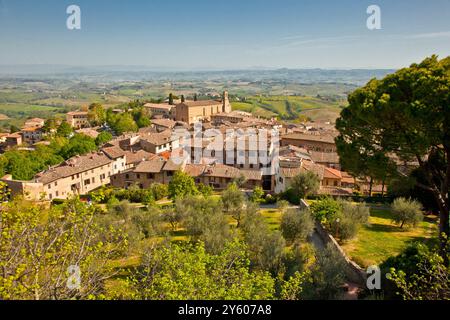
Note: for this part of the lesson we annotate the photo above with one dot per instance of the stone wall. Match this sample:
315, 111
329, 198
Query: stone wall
353, 271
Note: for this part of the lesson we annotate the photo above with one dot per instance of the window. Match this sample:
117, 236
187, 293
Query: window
127, 176
57, 194
87, 182
251, 166
93, 180
49, 186
150, 176
169, 173
138, 176
56, 183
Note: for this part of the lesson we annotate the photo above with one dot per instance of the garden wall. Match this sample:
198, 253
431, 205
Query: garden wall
353, 271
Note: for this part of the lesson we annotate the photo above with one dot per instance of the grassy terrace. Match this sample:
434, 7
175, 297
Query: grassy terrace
290, 107
382, 238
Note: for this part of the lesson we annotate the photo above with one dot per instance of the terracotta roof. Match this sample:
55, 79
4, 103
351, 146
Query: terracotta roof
36, 120
151, 166
316, 168
14, 135
88, 132
309, 137
147, 130
221, 170
32, 129
167, 123
346, 178
172, 166
73, 166
201, 103
324, 157
114, 152
332, 173
228, 115
294, 152
252, 174
194, 170
138, 156
78, 113
165, 106
158, 139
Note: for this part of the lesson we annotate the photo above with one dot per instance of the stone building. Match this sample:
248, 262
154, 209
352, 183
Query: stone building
311, 142
76, 176
32, 135
78, 119
14, 140
193, 111
163, 110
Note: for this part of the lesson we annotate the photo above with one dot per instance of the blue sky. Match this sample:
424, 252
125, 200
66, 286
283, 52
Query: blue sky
219, 34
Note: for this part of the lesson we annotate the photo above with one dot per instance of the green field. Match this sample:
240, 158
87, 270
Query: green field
382, 238
291, 107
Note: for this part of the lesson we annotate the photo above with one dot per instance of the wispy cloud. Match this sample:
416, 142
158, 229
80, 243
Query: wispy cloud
430, 35
308, 41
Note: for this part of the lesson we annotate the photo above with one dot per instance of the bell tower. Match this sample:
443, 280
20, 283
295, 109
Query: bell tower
226, 107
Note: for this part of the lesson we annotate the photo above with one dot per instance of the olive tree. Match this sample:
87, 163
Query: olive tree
407, 212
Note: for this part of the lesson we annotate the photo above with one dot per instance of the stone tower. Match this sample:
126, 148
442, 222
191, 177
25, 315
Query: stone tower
226, 103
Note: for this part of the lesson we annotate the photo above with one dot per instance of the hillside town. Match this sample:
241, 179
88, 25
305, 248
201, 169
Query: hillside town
146, 157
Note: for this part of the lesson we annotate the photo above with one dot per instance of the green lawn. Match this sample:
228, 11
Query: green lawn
272, 217
382, 238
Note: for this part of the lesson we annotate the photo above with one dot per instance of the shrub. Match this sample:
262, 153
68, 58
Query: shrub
341, 218
205, 190
297, 225
358, 212
326, 211
345, 228
257, 195
182, 185
305, 184
160, 191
